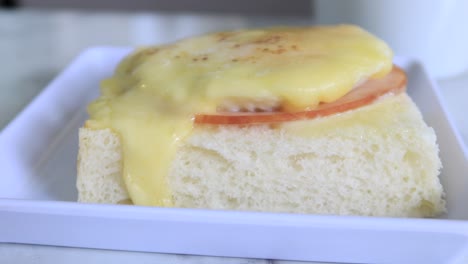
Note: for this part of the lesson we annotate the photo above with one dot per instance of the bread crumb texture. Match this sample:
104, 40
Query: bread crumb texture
99, 167
379, 160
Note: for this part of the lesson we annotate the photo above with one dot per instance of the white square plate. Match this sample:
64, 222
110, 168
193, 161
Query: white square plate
37, 193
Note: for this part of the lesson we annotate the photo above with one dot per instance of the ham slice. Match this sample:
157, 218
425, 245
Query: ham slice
366, 93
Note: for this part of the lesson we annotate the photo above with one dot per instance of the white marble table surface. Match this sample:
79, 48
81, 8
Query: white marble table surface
35, 45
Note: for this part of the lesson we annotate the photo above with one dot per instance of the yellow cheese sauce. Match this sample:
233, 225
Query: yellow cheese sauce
376, 118
152, 97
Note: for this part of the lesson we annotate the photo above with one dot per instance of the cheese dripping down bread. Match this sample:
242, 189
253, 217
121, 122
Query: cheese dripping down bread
311, 120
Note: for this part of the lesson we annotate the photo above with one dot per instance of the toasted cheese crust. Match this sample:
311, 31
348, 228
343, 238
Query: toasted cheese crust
300, 67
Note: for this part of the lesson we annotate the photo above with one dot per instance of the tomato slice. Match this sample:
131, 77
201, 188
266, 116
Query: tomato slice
366, 93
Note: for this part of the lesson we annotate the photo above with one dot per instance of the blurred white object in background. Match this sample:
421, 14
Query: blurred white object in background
433, 31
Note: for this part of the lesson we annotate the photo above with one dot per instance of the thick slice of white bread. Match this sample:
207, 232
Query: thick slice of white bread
378, 160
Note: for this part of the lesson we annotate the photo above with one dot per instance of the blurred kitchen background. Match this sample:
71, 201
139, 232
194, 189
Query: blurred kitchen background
268, 7
38, 38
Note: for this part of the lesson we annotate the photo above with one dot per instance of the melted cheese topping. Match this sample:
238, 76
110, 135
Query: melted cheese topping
154, 93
